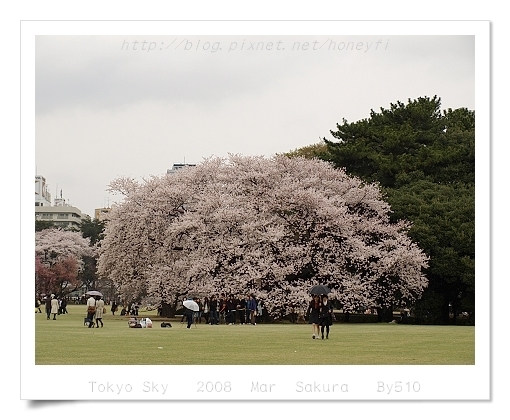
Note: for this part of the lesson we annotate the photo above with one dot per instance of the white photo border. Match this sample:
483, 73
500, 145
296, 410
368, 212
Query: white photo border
435, 383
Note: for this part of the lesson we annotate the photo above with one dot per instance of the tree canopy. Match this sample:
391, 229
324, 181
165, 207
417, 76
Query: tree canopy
59, 258
273, 227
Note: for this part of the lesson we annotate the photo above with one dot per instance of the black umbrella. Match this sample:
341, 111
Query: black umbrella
319, 289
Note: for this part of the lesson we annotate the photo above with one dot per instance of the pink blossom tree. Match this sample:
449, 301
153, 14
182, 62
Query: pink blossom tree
273, 227
58, 260
60, 277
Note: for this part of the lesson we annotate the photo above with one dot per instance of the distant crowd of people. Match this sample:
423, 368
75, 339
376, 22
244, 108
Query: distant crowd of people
52, 305
223, 309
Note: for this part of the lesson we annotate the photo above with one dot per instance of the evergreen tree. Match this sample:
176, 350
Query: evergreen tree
424, 159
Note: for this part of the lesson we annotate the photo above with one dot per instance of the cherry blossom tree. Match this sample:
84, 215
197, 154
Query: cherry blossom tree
60, 277
44, 278
270, 226
58, 260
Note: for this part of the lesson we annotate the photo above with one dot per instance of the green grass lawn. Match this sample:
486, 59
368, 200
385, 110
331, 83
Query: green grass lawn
67, 342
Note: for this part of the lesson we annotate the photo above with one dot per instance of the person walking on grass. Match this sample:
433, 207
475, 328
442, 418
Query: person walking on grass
190, 315
99, 312
313, 315
54, 307
47, 306
91, 310
325, 316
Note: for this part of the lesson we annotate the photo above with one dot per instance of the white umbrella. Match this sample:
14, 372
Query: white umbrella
191, 304
94, 293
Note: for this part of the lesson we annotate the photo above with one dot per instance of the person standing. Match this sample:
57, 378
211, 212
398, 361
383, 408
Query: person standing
114, 307
63, 306
47, 305
313, 315
325, 316
260, 311
231, 310
213, 310
99, 312
206, 309
38, 305
54, 307
189, 314
198, 315
241, 309
251, 310
292, 314
247, 314
222, 309
91, 310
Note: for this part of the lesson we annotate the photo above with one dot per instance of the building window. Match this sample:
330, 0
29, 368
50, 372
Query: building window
62, 216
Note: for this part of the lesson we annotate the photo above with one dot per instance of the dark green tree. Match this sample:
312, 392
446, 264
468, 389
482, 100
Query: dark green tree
43, 224
93, 229
424, 160
88, 275
443, 217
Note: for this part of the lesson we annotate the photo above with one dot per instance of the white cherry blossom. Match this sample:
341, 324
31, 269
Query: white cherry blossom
273, 226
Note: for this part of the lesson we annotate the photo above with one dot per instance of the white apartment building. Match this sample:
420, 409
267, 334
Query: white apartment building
42, 196
61, 214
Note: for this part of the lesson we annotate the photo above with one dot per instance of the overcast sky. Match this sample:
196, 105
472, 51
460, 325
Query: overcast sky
110, 106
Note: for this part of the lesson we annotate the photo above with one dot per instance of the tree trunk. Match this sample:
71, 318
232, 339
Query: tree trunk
385, 314
167, 311
445, 312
